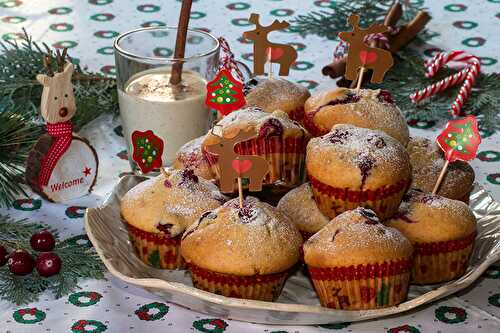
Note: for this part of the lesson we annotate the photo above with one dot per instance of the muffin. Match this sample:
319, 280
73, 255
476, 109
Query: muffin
374, 109
277, 94
357, 263
300, 207
427, 160
281, 141
158, 210
442, 232
353, 166
190, 156
242, 252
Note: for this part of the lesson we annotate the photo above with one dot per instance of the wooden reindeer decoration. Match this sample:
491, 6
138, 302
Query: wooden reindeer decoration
283, 54
361, 56
234, 166
61, 166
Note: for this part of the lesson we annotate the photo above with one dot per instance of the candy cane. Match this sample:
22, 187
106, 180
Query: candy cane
467, 75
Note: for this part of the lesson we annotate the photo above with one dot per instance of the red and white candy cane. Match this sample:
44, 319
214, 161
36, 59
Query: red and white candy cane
467, 75
228, 61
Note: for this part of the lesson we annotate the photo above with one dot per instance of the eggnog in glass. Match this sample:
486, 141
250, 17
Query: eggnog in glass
158, 117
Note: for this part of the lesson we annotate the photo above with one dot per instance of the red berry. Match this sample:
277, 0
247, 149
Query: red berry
20, 262
43, 241
48, 264
3, 255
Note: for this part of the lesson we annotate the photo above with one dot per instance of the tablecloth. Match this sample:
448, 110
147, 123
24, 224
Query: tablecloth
88, 28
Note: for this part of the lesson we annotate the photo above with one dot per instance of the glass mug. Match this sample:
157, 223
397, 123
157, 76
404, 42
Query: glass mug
158, 118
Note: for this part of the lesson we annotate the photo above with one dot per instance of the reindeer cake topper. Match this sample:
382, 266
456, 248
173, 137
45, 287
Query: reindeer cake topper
283, 54
234, 166
61, 165
361, 56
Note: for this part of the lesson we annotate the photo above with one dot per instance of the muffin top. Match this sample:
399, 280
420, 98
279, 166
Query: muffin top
170, 202
357, 158
255, 239
355, 237
427, 160
190, 156
277, 94
425, 218
368, 108
266, 124
300, 207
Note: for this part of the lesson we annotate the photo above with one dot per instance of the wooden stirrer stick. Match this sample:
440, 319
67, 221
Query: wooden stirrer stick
180, 42
441, 176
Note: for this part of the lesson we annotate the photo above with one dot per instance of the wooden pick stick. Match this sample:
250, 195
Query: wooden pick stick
440, 178
360, 79
240, 192
164, 172
269, 57
180, 42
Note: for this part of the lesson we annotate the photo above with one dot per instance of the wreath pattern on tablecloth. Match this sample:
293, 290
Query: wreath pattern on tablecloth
493, 272
144, 312
210, 325
27, 205
458, 315
494, 300
82, 325
75, 212
92, 296
20, 316
404, 328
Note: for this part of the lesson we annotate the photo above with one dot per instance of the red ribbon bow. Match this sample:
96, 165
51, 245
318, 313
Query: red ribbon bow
63, 135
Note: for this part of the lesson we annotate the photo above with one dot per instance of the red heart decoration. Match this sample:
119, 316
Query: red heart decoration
241, 166
367, 57
276, 53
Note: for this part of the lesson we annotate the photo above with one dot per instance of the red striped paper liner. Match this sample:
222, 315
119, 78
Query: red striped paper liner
256, 287
148, 244
286, 157
384, 200
437, 262
362, 287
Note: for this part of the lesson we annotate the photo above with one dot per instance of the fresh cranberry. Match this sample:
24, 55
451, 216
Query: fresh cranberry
43, 241
48, 264
272, 127
339, 136
188, 176
20, 262
385, 96
3, 255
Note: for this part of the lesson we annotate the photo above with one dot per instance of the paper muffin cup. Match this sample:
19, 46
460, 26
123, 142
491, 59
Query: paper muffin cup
286, 158
441, 261
257, 287
362, 287
156, 249
384, 201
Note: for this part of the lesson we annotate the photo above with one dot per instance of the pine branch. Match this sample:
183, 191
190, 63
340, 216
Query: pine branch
79, 261
328, 23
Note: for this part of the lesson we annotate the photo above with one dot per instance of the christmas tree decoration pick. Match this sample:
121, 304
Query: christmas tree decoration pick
61, 165
283, 54
459, 141
225, 93
234, 166
361, 56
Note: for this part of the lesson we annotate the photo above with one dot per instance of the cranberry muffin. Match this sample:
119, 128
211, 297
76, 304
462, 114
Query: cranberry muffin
158, 210
357, 263
373, 109
353, 166
191, 157
442, 232
242, 252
